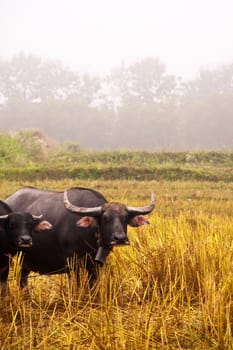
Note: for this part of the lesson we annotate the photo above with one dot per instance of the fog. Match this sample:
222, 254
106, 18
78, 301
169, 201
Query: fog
127, 74
139, 106
96, 36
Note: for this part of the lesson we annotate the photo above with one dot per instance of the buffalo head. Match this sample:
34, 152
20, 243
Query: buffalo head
19, 227
111, 220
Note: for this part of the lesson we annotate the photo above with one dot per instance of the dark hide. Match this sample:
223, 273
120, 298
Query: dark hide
16, 231
79, 234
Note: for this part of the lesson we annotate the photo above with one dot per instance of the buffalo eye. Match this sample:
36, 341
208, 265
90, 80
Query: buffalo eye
124, 218
106, 217
11, 225
30, 224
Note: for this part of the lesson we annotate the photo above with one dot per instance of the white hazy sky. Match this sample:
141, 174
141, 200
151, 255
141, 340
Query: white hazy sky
97, 35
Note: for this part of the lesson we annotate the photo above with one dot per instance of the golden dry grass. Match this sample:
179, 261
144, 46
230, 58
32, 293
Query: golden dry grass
172, 288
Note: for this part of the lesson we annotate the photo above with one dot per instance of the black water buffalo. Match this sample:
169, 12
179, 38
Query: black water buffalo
16, 229
85, 225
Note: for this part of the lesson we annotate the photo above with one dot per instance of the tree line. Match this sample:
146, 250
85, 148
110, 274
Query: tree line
139, 106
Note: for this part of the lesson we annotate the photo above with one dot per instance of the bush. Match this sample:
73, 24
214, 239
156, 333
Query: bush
20, 148
10, 148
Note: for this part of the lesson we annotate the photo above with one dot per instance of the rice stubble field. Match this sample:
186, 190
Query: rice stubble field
172, 288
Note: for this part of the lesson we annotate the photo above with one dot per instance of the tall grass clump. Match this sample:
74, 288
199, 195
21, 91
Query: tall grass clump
187, 262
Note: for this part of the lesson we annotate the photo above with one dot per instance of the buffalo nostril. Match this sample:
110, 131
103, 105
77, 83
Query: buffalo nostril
25, 240
120, 237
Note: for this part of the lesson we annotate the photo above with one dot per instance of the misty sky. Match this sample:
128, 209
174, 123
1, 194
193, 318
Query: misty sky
97, 35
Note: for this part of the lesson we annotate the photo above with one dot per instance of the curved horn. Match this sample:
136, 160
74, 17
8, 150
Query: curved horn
80, 210
35, 217
143, 210
3, 217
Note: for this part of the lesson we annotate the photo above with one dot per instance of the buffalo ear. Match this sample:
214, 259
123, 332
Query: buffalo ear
86, 221
138, 220
43, 225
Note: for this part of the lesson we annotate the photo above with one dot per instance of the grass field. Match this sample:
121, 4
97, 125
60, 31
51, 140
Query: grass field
172, 288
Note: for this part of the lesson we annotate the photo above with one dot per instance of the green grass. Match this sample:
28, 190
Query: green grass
108, 171
25, 157
22, 159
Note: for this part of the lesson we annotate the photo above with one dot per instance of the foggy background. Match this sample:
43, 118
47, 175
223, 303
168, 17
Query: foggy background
128, 74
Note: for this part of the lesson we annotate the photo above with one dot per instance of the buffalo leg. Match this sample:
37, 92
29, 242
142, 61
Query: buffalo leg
24, 278
4, 271
92, 268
